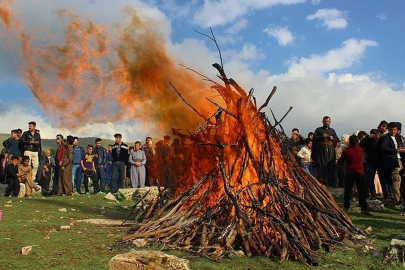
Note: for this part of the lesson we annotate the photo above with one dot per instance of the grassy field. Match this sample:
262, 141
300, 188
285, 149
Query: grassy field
36, 222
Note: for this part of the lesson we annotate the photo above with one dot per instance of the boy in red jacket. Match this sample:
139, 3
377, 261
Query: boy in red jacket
354, 174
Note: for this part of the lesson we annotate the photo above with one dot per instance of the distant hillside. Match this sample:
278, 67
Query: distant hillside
51, 143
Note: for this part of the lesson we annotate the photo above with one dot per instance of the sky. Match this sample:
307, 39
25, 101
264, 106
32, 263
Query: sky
337, 58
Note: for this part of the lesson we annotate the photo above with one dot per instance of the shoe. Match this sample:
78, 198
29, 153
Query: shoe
373, 198
29, 197
101, 192
37, 188
87, 193
399, 206
365, 213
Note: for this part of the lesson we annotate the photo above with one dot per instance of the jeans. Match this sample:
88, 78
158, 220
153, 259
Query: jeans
108, 168
371, 170
101, 176
77, 175
117, 176
309, 169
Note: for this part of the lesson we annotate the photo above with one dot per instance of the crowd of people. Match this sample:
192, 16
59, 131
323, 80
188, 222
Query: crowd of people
71, 166
363, 163
359, 163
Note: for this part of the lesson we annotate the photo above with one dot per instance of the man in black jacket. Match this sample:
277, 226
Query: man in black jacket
100, 160
120, 157
391, 148
31, 141
323, 152
373, 160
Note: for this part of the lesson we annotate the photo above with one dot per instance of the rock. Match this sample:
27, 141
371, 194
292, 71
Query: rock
21, 194
127, 193
64, 210
110, 197
396, 250
131, 194
26, 250
147, 260
139, 243
153, 193
2, 189
369, 230
375, 205
398, 240
337, 192
64, 227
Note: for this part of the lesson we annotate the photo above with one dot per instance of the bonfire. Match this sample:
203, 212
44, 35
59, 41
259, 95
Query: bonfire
241, 190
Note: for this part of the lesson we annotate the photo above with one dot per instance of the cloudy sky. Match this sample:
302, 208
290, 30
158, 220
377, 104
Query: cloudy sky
326, 57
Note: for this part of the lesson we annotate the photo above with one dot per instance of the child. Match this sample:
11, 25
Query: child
25, 172
305, 155
89, 170
12, 177
354, 174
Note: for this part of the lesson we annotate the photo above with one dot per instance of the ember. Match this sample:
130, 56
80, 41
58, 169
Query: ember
240, 190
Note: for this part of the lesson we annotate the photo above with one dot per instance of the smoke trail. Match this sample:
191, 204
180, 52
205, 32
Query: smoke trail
96, 75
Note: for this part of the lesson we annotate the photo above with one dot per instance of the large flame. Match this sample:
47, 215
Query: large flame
100, 73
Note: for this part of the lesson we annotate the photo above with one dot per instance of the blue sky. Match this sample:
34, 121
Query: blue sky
340, 58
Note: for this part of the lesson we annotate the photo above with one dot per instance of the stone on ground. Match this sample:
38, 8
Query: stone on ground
147, 260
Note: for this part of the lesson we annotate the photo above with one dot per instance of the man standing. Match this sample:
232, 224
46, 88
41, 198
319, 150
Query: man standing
31, 140
100, 160
353, 156
150, 165
297, 141
391, 148
49, 164
323, 152
60, 153
65, 177
120, 157
77, 173
108, 169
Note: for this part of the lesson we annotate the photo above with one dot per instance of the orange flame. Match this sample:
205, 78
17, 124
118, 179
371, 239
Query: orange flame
96, 75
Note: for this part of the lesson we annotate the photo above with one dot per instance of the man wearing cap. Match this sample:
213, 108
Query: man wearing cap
120, 157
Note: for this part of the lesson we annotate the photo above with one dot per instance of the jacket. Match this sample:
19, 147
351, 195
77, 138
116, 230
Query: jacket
102, 156
27, 137
123, 153
389, 152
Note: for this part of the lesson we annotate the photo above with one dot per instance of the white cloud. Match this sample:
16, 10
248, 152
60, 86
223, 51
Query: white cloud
352, 51
331, 18
220, 12
17, 116
382, 16
316, 85
315, 2
281, 33
237, 26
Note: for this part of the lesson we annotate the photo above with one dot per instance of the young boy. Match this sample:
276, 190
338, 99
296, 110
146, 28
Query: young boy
12, 177
305, 155
89, 170
25, 172
354, 174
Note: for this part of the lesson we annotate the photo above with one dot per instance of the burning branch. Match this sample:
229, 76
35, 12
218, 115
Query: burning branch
240, 190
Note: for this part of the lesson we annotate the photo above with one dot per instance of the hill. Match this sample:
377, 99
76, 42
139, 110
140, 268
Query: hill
51, 143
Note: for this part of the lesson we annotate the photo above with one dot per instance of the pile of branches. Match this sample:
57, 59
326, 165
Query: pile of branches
242, 191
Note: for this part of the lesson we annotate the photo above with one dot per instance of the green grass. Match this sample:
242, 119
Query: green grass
35, 222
